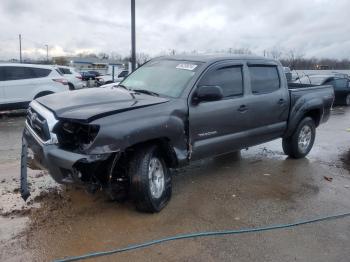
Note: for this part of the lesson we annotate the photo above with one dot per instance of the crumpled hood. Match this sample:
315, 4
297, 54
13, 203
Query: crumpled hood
92, 103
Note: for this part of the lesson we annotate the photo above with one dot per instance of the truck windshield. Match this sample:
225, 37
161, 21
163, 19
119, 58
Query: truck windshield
164, 77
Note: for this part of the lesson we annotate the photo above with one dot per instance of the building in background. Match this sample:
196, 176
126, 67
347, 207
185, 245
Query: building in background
84, 64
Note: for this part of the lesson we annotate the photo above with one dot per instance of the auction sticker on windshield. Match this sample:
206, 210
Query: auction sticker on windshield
186, 66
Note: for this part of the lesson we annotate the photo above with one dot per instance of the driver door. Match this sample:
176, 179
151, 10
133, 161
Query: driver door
216, 127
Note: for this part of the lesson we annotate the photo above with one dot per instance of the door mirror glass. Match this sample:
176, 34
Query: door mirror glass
208, 93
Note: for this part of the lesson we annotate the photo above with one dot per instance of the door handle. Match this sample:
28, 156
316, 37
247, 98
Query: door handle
243, 108
281, 101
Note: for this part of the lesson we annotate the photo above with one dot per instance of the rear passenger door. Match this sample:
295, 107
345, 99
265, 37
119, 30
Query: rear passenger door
268, 102
17, 83
21, 83
218, 127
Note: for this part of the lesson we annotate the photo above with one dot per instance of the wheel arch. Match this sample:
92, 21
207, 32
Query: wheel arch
71, 86
164, 144
315, 114
43, 93
312, 108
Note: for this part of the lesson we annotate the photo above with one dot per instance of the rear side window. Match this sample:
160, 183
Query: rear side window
19, 73
229, 78
65, 71
41, 72
264, 79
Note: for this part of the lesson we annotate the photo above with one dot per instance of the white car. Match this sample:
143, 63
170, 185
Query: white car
110, 85
21, 83
108, 79
74, 77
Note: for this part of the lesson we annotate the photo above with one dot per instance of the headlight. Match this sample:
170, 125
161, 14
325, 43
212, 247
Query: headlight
73, 136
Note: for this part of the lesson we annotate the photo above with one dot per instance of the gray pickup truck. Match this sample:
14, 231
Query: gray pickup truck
166, 114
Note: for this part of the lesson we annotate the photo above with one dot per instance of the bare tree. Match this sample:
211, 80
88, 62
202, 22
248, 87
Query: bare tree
115, 56
142, 58
103, 55
294, 58
241, 51
275, 53
60, 61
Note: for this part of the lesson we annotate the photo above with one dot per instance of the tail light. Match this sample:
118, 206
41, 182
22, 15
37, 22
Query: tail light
79, 77
61, 80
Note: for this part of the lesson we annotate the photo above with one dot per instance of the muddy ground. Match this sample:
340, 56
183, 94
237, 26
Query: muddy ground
257, 187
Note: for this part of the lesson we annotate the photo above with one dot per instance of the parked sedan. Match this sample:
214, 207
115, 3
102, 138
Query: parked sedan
108, 79
74, 78
340, 83
87, 76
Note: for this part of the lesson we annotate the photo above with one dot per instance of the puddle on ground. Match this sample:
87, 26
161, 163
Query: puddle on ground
345, 159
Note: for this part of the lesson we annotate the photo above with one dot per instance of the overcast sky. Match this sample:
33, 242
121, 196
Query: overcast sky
319, 28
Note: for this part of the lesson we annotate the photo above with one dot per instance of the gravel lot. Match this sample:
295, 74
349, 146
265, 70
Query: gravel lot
257, 187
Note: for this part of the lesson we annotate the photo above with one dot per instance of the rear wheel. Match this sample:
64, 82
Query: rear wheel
347, 100
302, 140
150, 179
71, 86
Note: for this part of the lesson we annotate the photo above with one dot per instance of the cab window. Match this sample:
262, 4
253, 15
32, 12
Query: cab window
229, 78
264, 79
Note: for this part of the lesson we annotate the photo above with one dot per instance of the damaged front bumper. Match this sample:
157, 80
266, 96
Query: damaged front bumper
60, 163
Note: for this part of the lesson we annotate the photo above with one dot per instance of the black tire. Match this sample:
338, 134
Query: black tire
291, 144
139, 166
347, 100
71, 86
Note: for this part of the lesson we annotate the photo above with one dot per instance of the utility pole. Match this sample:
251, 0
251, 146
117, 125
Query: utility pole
133, 36
47, 53
20, 48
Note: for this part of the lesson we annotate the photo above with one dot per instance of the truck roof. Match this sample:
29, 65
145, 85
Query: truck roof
210, 58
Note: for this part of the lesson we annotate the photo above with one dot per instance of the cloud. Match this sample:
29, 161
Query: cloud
314, 28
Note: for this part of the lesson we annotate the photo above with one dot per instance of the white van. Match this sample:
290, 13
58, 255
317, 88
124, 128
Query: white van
21, 83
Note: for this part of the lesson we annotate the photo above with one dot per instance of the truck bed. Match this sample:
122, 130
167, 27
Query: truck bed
317, 96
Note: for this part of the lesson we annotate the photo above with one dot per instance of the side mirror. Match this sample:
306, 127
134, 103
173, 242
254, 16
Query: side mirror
208, 93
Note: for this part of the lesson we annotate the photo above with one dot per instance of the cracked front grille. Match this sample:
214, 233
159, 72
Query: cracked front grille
38, 123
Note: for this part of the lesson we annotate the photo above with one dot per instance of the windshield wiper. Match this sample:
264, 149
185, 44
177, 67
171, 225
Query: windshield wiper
123, 86
146, 92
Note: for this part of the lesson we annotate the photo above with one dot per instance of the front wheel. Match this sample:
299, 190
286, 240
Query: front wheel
150, 179
302, 140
